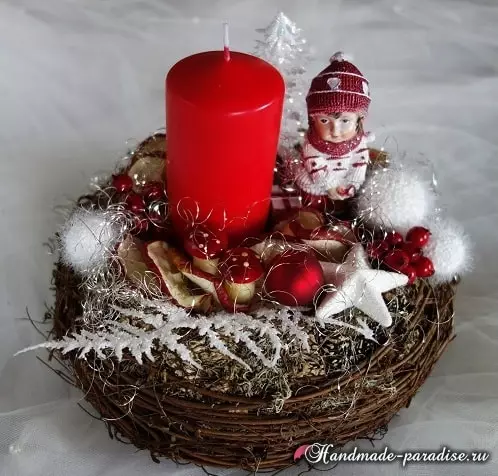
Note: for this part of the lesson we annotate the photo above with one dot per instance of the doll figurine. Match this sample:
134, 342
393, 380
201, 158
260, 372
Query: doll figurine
335, 154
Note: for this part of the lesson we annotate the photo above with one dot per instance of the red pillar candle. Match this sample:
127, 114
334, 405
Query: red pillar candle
223, 112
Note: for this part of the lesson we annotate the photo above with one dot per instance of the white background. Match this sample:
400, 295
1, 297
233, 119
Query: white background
79, 78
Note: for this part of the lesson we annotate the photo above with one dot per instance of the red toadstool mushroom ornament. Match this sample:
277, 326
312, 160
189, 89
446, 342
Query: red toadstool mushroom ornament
241, 269
205, 246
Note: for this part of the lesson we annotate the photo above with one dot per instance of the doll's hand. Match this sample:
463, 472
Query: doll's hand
333, 194
346, 192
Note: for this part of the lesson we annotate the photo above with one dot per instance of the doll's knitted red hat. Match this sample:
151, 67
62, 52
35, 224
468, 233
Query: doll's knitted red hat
340, 87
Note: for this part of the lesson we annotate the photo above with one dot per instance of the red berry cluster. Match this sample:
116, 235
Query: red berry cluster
146, 206
405, 256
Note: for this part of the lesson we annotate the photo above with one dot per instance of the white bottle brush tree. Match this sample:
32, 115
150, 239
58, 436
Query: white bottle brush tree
285, 48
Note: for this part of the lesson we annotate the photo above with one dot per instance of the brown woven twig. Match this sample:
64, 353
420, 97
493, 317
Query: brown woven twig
227, 430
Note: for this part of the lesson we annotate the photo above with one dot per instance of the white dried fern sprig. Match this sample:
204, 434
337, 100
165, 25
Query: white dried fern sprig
174, 318
362, 328
287, 325
122, 329
112, 339
235, 326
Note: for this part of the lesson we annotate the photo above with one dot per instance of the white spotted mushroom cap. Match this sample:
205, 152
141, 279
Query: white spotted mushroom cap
205, 243
241, 266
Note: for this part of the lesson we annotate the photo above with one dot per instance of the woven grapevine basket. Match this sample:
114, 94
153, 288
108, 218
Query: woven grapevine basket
219, 429
209, 420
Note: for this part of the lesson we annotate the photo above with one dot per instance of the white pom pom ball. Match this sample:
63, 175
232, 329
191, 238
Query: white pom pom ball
341, 56
88, 239
448, 249
395, 198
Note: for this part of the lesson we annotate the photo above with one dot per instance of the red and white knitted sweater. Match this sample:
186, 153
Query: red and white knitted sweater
337, 172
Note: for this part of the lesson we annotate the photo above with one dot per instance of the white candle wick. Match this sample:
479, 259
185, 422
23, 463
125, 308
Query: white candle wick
226, 49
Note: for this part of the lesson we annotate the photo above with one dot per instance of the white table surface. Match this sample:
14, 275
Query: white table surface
79, 78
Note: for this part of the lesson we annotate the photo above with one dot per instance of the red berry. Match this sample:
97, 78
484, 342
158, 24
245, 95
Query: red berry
141, 225
413, 251
418, 235
135, 203
122, 183
394, 238
411, 272
377, 249
397, 259
424, 267
153, 191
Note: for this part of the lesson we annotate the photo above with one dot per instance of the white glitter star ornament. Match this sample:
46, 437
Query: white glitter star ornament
357, 284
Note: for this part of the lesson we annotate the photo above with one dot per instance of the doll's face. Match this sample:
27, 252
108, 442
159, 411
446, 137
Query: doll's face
336, 127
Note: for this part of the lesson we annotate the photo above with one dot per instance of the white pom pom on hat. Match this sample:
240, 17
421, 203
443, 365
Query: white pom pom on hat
341, 56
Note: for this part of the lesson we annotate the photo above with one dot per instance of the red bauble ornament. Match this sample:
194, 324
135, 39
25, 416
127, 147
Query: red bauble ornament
153, 191
397, 259
135, 203
122, 183
424, 267
418, 236
294, 278
394, 238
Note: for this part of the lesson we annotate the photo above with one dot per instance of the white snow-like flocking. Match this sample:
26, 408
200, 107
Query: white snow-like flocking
277, 328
